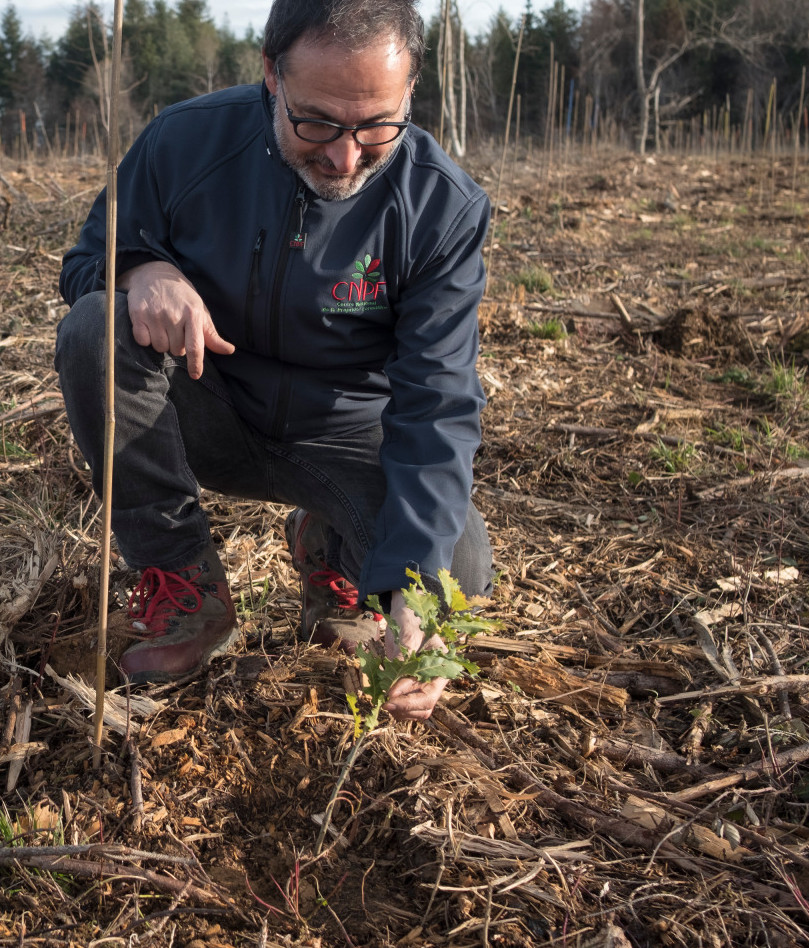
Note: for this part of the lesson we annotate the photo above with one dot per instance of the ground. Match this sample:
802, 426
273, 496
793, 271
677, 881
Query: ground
629, 766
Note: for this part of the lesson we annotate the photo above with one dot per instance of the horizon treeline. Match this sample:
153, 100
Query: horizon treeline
646, 73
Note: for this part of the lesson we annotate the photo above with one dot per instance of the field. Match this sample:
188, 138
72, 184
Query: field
629, 768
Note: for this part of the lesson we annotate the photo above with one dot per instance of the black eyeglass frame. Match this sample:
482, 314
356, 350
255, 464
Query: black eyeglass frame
341, 129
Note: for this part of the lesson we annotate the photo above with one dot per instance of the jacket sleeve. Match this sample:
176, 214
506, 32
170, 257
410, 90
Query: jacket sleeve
431, 426
143, 226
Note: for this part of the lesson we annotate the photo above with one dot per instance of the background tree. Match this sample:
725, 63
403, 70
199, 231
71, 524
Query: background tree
22, 76
631, 60
72, 56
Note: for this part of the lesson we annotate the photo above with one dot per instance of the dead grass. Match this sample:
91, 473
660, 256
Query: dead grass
630, 768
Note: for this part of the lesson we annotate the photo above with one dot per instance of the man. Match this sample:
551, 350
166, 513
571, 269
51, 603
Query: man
299, 272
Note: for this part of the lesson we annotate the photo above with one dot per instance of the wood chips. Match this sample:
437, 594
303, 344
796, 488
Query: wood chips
629, 768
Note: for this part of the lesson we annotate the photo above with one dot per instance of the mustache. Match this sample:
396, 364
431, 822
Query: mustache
323, 161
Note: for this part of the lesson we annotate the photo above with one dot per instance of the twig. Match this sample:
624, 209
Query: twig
108, 871
135, 784
324, 827
626, 319
777, 667
14, 704
757, 686
631, 754
766, 768
488, 917
584, 817
616, 646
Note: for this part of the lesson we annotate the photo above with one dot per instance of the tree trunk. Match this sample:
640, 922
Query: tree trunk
462, 81
447, 73
640, 78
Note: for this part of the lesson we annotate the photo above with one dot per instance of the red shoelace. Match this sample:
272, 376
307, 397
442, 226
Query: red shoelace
158, 596
346, 595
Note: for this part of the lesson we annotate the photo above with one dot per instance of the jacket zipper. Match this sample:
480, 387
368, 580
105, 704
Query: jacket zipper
253, 287
299, 208
294, 236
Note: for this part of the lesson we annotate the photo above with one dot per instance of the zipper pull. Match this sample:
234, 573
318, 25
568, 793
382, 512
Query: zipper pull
297, 240
254, 286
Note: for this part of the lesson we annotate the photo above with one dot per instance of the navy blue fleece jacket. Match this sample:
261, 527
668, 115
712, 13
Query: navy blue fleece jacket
373, 317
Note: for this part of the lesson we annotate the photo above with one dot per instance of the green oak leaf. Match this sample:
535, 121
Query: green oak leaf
426, 664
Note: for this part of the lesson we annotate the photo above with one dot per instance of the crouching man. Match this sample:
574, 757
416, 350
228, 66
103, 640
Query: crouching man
298, 275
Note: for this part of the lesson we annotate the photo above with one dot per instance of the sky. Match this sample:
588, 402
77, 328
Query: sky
51, 16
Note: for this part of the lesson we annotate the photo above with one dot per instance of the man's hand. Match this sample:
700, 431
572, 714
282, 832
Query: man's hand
408, 699
168, 314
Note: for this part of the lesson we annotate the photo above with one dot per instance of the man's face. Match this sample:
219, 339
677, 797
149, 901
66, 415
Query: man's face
323, 81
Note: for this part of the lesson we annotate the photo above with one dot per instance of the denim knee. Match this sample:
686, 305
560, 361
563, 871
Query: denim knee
80, 336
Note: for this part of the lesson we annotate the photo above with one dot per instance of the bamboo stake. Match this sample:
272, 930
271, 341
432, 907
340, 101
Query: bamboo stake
774, 138
797, 131
549, 110
551, 118
562, 152
109, 429
505, 147
514, 162
747, 132
445, 54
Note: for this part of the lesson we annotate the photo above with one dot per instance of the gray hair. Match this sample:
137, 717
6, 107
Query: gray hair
351, 23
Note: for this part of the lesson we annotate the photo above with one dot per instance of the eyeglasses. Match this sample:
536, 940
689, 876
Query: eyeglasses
321, 131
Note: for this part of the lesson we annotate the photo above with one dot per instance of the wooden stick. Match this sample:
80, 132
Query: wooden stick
109, 429
135, 784
505, 146
324, 826
110, 872
797, 131
783, 761
794, 684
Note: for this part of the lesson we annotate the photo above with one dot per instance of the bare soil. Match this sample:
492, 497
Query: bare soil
629, 768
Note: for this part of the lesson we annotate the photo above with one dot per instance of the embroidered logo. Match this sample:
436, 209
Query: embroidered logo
367, 269
365, 291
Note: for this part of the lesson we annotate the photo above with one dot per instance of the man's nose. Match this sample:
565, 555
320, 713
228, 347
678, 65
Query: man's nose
344, 153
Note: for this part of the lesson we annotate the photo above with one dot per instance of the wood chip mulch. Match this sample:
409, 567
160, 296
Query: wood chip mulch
630, 766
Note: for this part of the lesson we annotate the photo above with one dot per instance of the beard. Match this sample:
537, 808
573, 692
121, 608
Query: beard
310, 168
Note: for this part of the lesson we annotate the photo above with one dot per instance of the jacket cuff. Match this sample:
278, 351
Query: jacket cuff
431, 583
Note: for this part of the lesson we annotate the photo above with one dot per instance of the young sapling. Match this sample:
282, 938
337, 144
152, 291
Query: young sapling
452, 622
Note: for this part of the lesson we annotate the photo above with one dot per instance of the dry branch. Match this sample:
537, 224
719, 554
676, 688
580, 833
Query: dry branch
775, 767
558, 685
690, 834
585, 818
757, 687
632, 754
111, 872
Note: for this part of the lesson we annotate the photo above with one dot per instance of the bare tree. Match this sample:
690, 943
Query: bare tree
452, 78
747, 29
97, 82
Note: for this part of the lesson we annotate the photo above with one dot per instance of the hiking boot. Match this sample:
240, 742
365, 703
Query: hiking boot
182, 618
330, 612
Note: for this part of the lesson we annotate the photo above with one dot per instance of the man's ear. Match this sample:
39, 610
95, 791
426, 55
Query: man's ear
270, 74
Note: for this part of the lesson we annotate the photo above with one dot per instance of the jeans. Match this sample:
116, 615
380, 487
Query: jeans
174, 434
